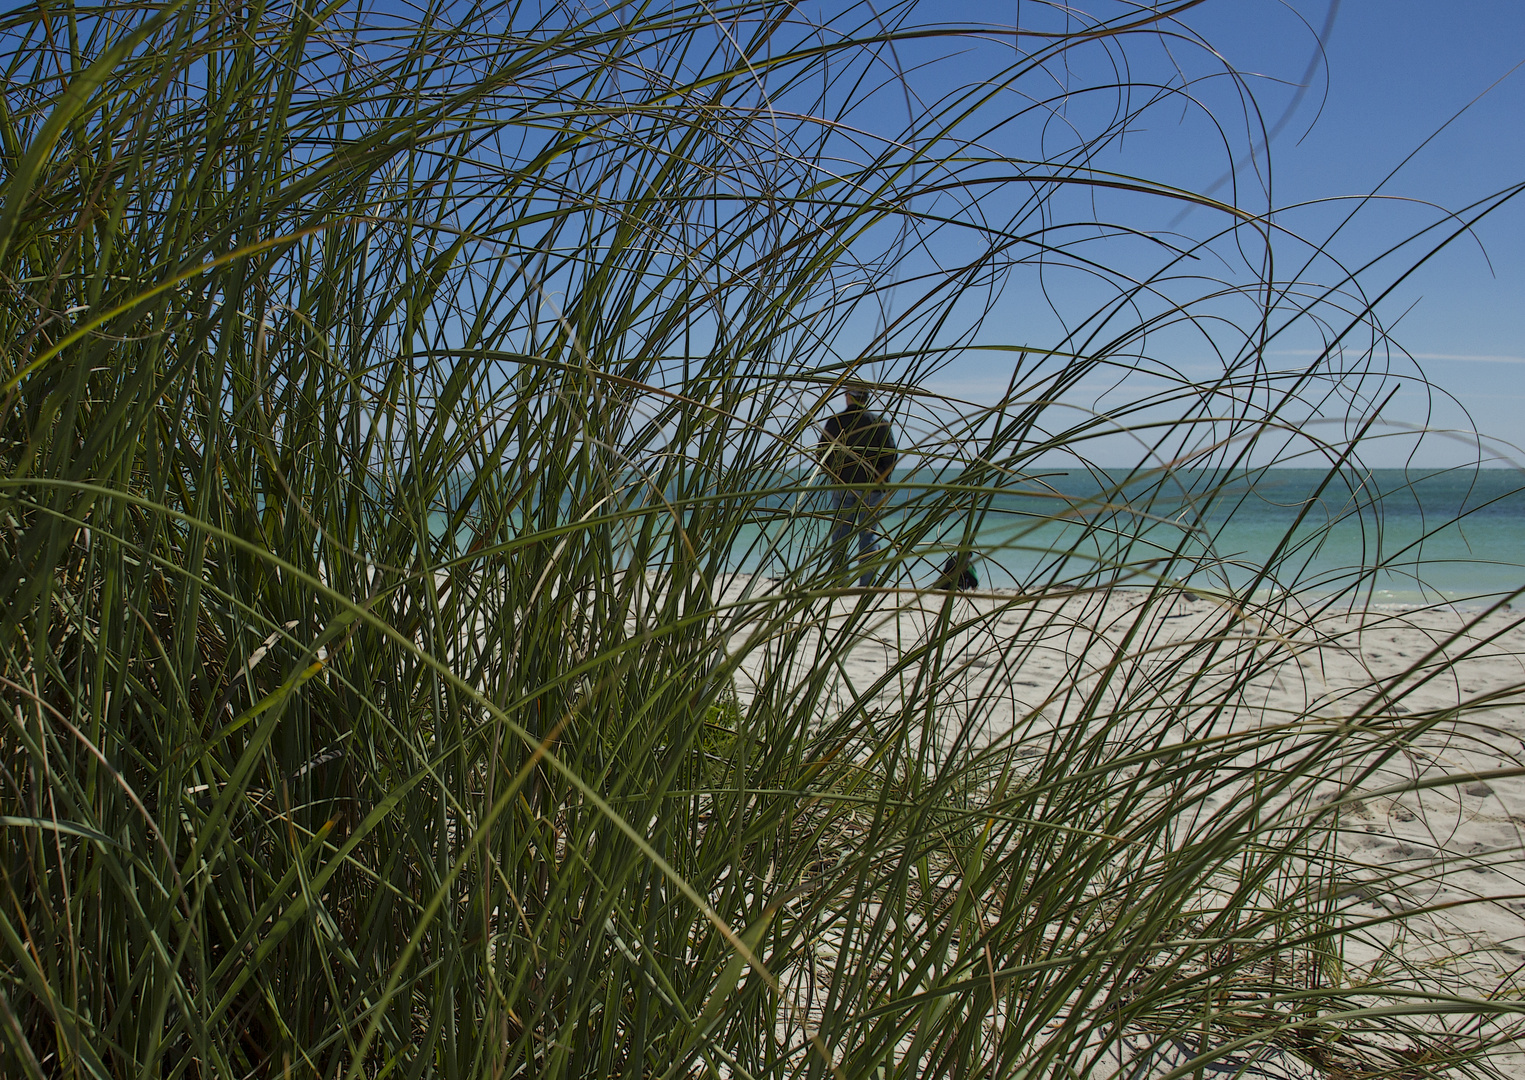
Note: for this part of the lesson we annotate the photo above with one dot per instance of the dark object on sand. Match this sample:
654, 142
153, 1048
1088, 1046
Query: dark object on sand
957, 573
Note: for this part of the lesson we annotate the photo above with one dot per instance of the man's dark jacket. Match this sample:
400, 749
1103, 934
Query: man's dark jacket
858, 446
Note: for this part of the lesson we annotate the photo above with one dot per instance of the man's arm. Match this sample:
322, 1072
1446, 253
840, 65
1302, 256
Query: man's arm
829, 433
884, 464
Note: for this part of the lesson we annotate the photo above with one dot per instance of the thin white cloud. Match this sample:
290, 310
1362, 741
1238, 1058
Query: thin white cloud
1478, 358
1481, 359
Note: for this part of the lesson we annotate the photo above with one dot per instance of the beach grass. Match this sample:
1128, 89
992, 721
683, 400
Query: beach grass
383, 398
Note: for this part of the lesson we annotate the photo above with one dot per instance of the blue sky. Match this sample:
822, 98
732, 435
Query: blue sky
1439, 81
1418, 102
1399, 72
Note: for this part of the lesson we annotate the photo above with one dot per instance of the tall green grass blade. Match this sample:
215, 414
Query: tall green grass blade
389, 405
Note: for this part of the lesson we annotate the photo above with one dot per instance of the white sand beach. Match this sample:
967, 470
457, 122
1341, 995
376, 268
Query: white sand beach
1427, 709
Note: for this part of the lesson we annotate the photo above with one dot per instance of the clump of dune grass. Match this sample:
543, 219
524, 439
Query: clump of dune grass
387, 398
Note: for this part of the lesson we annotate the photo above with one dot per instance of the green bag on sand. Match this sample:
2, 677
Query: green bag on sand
957, 574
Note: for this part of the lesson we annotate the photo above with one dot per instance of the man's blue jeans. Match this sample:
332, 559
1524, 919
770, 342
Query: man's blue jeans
855, 512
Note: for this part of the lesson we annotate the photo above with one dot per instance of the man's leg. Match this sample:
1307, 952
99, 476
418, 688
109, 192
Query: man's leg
868, 538
843, 515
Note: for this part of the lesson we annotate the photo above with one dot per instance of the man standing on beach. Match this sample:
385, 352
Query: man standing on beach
857, 447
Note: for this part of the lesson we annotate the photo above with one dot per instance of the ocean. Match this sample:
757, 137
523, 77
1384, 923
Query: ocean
1387, 536
1378, 537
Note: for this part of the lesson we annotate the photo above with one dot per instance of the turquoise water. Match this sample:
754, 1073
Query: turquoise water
1398, 536
1384, 536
